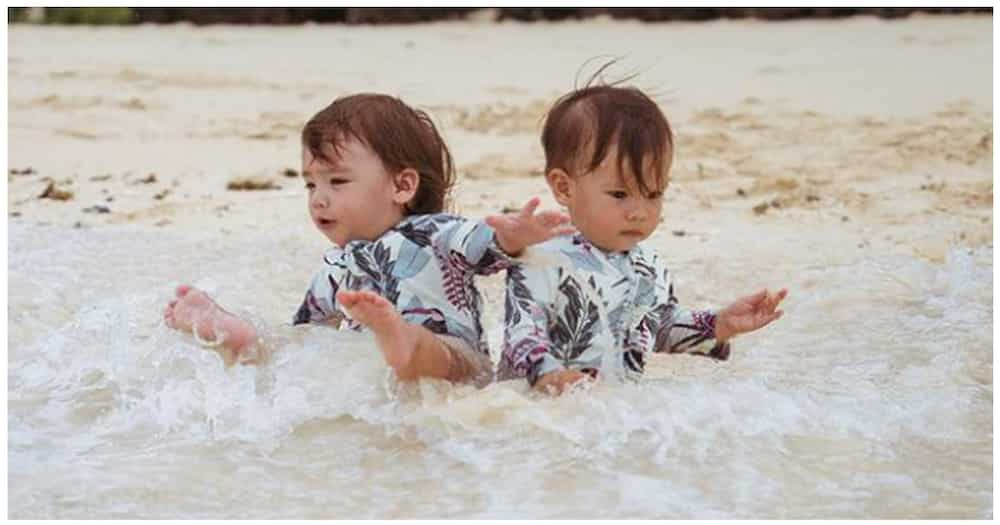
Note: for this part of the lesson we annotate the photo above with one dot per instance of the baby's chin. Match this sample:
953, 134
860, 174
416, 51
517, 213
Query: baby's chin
620, 244
339, 243
624, 247
342, 242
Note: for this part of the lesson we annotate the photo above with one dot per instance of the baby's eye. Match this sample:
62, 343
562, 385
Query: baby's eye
310, 186
618, 194
336, 181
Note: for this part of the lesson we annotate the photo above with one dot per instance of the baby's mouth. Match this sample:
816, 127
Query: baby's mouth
324, 223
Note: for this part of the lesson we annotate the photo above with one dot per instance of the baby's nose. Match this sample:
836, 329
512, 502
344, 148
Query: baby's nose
319, 201
637, 212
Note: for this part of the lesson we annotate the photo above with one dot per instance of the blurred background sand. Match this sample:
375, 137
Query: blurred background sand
879, 128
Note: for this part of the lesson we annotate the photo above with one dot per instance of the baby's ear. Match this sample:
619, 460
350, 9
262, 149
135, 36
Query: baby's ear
405, 184
560, 184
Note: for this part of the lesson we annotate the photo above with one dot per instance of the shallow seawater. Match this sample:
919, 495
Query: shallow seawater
872, 398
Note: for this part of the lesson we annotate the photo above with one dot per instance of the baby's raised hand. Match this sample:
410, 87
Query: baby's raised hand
517, 231
748, 314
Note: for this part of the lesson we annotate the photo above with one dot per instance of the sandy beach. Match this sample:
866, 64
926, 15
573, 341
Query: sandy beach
820, 155
859, 118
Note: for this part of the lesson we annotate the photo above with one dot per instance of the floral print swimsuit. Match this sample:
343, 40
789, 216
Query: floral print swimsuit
590, 310
424, 265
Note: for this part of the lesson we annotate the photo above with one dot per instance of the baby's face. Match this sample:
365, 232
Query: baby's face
608, 208
351, 199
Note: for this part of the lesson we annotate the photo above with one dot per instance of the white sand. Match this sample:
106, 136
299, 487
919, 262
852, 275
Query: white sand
886, 123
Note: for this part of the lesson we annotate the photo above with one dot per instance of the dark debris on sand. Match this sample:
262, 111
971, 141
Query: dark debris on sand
51, 192
148, 179
26, 171
251, 184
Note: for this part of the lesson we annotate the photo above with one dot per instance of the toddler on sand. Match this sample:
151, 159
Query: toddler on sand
608, 152
378, 174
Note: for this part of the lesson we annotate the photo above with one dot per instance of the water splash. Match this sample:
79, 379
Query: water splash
876, 387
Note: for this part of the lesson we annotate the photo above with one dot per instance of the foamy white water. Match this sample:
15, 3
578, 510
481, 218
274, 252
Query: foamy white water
871, 398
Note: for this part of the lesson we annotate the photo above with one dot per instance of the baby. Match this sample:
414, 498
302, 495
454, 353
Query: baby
608, 300
378, 174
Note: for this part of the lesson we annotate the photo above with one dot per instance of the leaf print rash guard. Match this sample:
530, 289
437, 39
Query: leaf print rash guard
425, 266
584, 302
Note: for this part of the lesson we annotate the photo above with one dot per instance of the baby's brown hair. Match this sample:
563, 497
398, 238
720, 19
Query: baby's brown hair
591, 119
401, 137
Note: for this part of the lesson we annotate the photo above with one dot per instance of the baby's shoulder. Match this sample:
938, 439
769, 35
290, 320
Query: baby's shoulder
563, 243
557, 247
431, 220
423, 228
546, 258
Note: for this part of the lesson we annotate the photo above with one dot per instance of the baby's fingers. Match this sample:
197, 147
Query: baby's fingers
757, 298
774, 300
766, 319
563, 230
552, 218
498, 222
530, 207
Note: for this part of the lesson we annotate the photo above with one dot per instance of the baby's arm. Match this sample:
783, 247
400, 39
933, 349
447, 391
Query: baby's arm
517, 231
320, 304
693, 332
680, 330
486, 247
749, 313
526, 347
